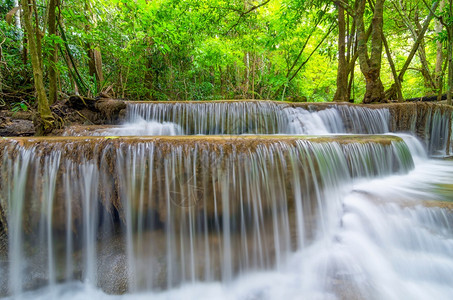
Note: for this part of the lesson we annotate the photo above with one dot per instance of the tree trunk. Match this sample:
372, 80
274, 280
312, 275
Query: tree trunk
94, 54
253, 74
450, 61
18, 24
45, 120
439, 55
449, 27
399, 94
38, 34
247, 76
418, 41
95, 65
341, 94
429, 81
371, 65
221, 82
53, 90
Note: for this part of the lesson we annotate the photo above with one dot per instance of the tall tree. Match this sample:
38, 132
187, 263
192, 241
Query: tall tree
447, 21
370, 64
347, 57
17, 18
44, 120
439, 54
94, 53
341, 93
445, 17
53, 54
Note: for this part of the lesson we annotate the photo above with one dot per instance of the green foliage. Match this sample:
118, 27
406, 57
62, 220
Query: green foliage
208, 49
14, 71
167, 49
19, 106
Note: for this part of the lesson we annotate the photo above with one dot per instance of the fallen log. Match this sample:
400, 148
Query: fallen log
101, 110
427, 98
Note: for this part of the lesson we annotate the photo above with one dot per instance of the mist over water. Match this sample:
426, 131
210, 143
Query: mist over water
238, 220
141, 127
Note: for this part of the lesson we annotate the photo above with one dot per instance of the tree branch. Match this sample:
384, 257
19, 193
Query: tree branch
345, 5
305, 44
434, 14
399, 93
314, 50
356, 53
243, 14
417, 42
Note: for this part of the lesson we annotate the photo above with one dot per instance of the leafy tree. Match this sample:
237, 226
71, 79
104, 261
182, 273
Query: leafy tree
315, 50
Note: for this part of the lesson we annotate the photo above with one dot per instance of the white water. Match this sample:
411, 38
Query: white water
261, 118
141, 127
380, 233
149, 119
217, 118
386, 245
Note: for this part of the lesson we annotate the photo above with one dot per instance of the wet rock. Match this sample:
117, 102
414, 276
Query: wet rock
112, 267
12, 126
110, 109
177, 193
98, 111
79, 102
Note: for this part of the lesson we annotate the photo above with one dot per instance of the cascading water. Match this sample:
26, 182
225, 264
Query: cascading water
431, 124
261, 117
229, 217
212, 118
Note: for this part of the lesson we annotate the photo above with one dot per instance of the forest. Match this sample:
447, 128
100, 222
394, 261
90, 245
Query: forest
226, 149
361, 51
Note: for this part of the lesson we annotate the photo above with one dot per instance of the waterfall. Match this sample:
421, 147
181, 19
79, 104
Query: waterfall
263, 117
430, 123
439, 128
211, 118
236, 216
231, 200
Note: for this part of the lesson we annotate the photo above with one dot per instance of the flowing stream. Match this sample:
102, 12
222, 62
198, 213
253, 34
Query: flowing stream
254, 202
432, 124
